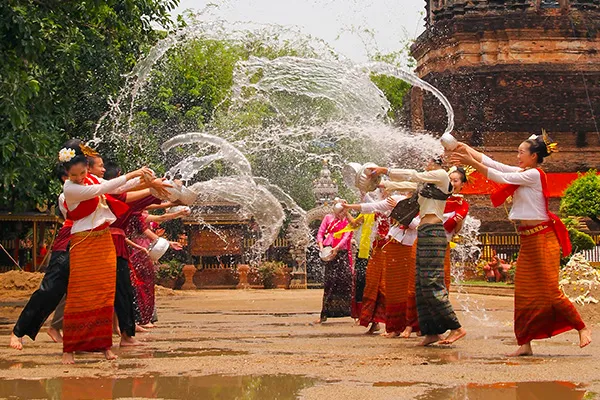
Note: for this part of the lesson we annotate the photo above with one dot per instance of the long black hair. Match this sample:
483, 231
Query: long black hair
538, 146
462, 172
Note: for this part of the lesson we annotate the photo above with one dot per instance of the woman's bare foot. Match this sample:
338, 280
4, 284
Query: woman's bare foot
109, 355
454, 335
524, 350
54, 335
149, 325
68, 358
374, 328
16, 342
116, 329
406, 332
585, 337
321, 320
139, 328
390, 334
430, 339
129, 341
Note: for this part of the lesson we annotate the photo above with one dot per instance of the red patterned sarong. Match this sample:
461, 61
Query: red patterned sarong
412, 318
541, 309
91, 292
399, 264
373, 302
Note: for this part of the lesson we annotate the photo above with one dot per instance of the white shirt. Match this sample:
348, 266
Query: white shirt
408, 179
61, 205
404, 236
75, 194
528, 200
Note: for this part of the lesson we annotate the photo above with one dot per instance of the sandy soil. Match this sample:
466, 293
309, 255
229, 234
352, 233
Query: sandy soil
260, 332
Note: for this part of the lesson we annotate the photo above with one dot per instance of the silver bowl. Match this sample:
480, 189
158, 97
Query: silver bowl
449, 142
349, 173
327, 254
158, 248
367, 183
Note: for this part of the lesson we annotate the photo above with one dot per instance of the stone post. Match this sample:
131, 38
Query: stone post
188, 271
242, 270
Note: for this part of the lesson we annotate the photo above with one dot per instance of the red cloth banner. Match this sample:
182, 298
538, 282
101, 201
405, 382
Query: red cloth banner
558, 182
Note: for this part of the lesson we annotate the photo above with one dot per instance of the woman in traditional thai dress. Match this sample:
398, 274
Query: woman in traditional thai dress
337, 295
89, 307
142, 268
455, 212
363, 227
435, 312
541, 309
387, 286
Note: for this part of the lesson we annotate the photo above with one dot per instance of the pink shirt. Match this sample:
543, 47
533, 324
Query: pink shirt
328, 227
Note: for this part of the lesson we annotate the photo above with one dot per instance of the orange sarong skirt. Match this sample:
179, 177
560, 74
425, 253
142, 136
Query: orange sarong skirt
91, 292
412, 318
399, 266
373, 303
541, 309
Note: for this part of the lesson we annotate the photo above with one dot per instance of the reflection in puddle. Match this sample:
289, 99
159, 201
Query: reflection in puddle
509, 391
204, 387
13, 364
438, 357
182, 352
399, 384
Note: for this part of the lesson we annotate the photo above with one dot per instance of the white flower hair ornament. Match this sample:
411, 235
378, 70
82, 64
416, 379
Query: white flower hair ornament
532, 137
66, 154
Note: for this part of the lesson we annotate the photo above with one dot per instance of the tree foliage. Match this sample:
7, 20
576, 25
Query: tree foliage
582, 197
61, 62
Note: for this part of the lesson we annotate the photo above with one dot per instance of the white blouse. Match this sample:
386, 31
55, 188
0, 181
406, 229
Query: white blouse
528, 200
404, 236
61, 205
75, 194
408, 181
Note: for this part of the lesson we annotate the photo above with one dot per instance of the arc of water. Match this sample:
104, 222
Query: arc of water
227, 150
391, 70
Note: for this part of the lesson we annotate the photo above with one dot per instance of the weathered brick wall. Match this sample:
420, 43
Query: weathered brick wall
510, 69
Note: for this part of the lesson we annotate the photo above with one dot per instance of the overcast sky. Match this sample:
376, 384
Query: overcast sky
341, 23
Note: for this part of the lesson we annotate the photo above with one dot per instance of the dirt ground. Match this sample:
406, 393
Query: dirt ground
264, 344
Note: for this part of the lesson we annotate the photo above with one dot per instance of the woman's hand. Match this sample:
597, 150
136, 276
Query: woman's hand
138, 173
376, 171
461, 155
160, 186
391, 202
176, 246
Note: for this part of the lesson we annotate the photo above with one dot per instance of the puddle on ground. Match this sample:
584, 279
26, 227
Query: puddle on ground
220, 387
509, 391
440, 357
180, 352
14, 364
400, 384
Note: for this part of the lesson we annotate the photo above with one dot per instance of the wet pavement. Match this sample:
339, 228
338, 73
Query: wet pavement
264, 345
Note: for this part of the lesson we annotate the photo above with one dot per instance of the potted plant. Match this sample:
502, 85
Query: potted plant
170, 274
268, 272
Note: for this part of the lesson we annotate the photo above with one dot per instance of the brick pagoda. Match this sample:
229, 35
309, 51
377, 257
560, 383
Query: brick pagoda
509, 69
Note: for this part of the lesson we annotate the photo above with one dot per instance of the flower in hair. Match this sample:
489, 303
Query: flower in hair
66, 154
88, 151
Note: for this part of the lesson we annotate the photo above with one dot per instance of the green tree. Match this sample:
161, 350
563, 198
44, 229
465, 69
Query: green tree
582, 197
394, 89
61, 62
